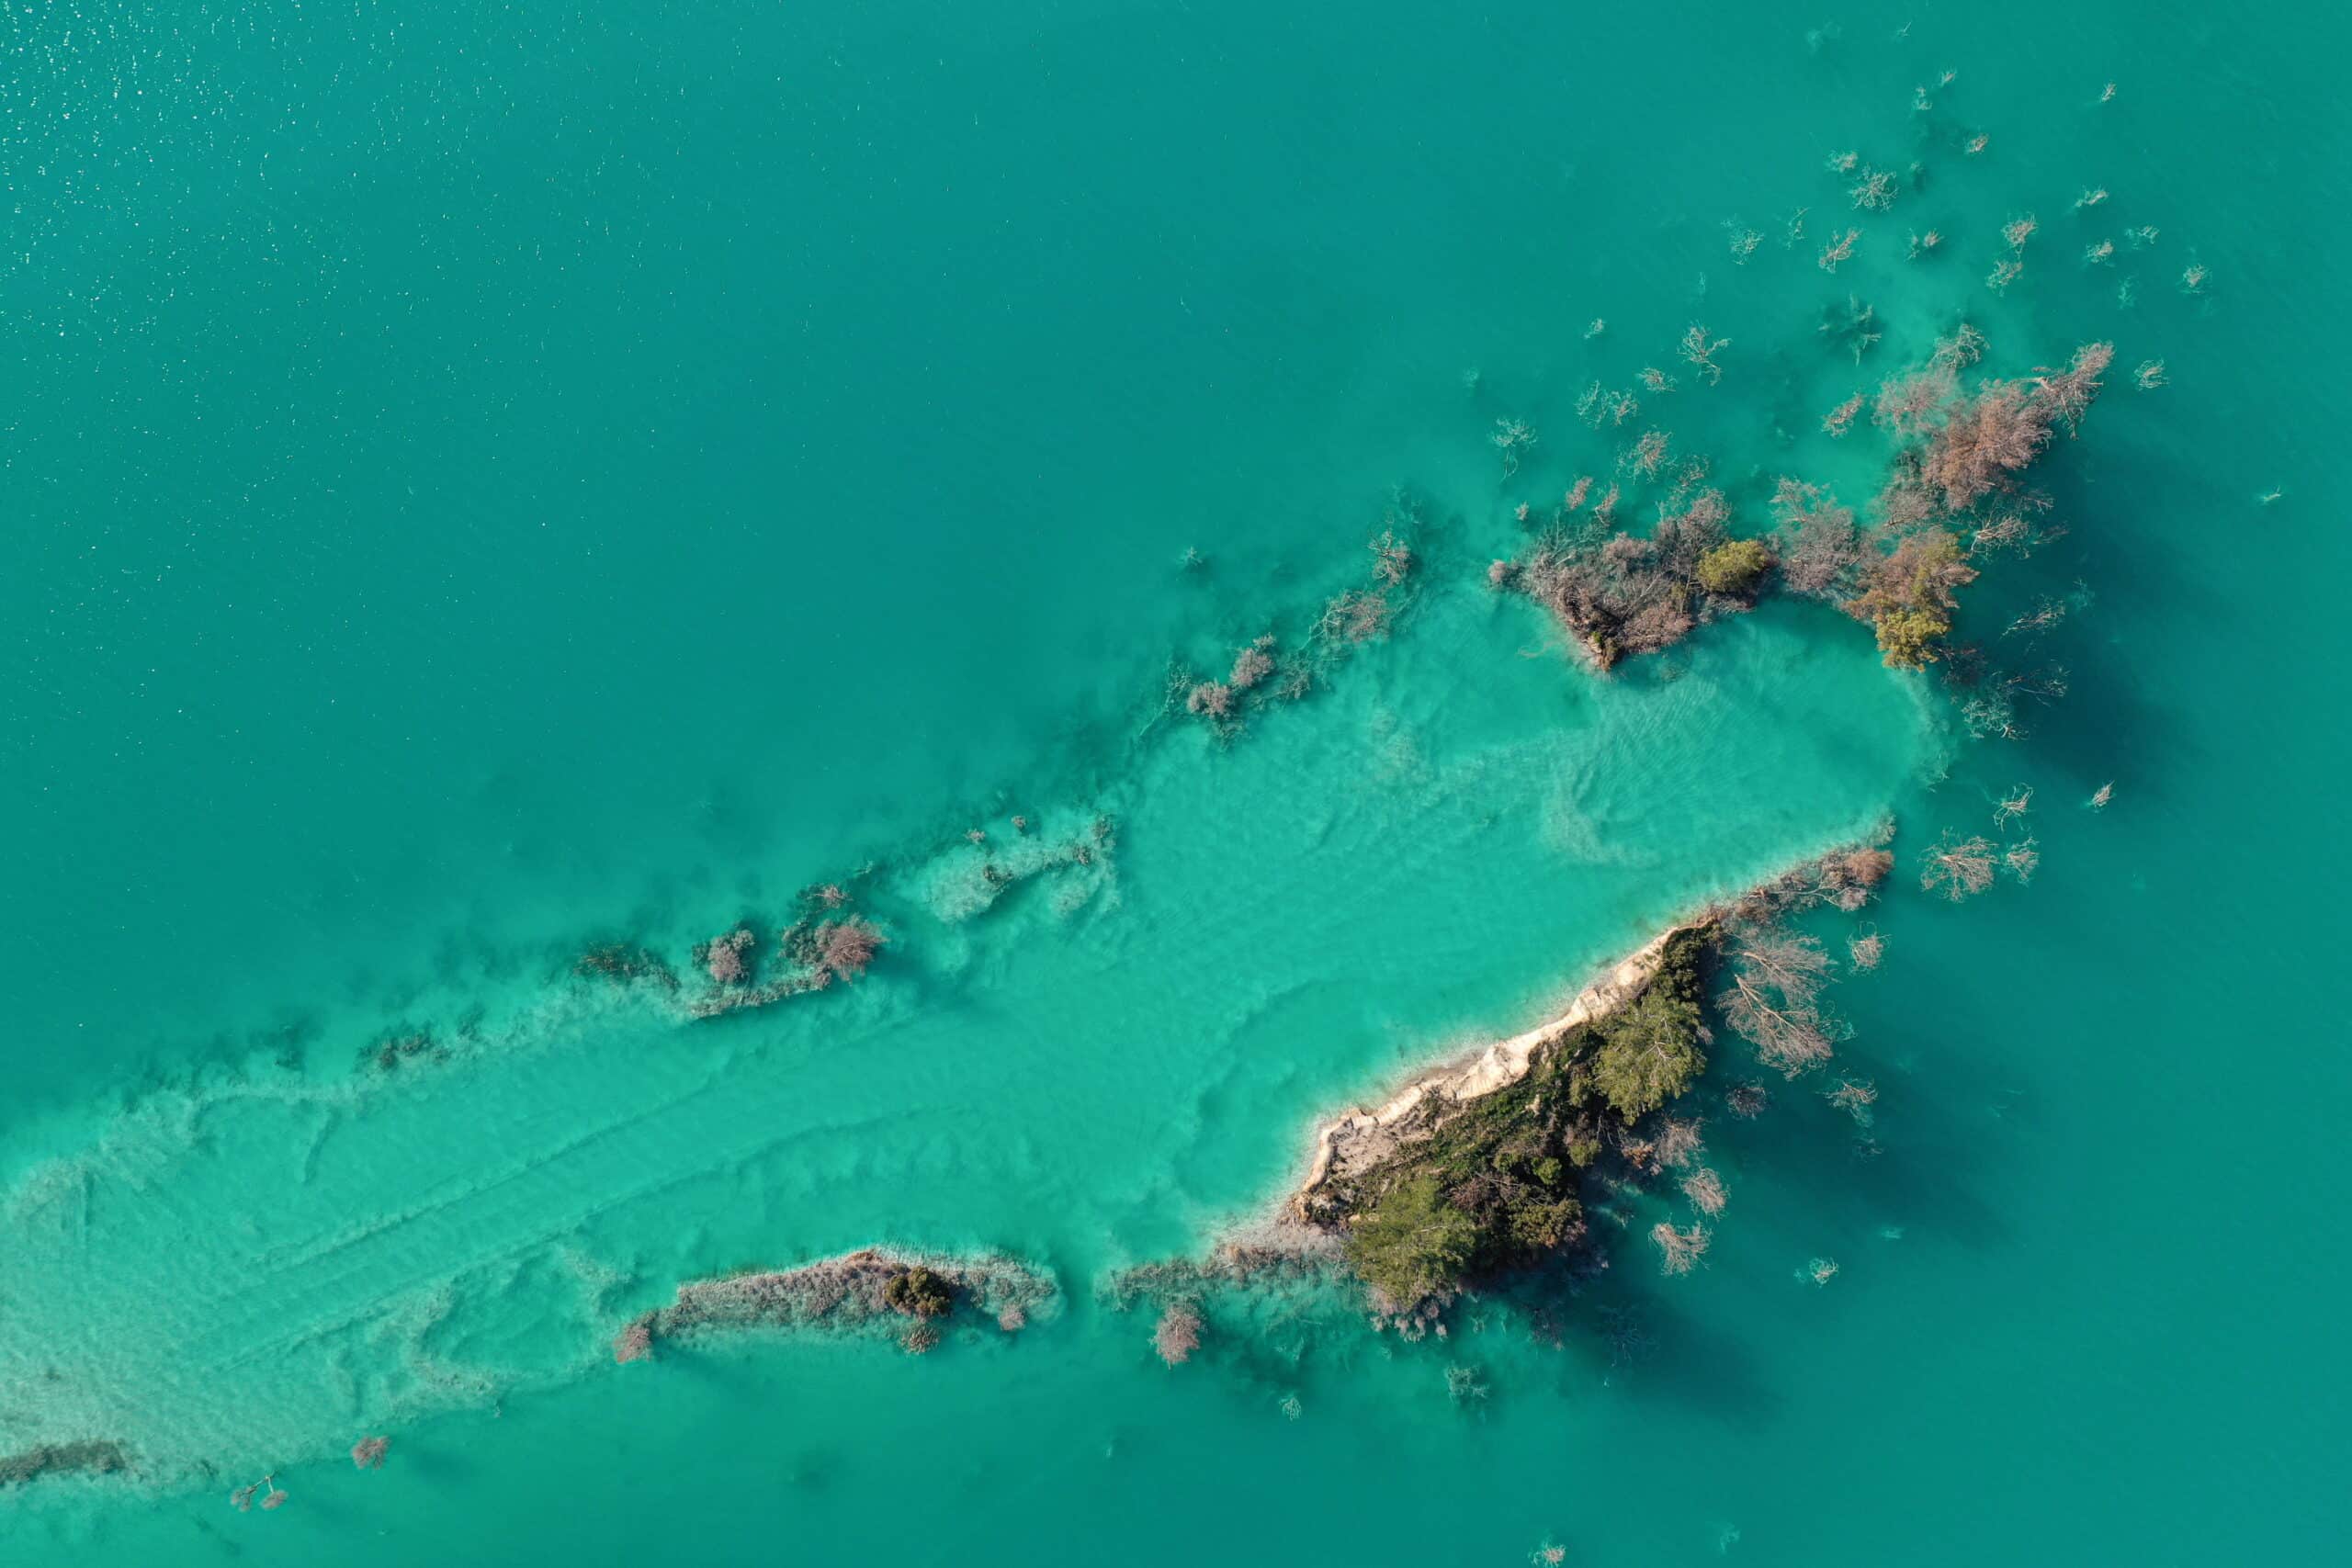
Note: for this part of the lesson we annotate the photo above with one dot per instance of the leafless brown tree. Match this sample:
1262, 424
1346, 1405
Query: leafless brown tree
2067, 394
1820, 551
1680, 1250
1705, 1191
1699, 351
2022, 860
1854, 1097
1178, 1334
1772, 995
1959, 868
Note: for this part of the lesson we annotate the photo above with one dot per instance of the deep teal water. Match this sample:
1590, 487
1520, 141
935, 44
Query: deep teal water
479, 482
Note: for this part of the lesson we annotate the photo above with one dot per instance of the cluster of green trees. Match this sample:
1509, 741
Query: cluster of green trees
1494, 1183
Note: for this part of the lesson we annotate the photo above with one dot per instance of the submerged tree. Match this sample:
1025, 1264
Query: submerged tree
1772, 996
1680, 1250
1705, 1191
844, 948
1178, 1333
1957, 868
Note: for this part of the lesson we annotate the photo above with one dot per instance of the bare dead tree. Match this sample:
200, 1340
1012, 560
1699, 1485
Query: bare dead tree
1772, 996
1963, 348
1646, 455
2016, 804
1699, 351
1819, 547
1178, 1334
1392, 559
2047, 612
1854, 1097
1908, 404
1678, 1141
2022, 860
1985, 441
1705, 1191
1680, 1250
1866, 952
1513, 438
1957, 868
2067, 394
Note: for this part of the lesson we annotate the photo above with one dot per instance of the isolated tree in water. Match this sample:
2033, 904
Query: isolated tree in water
1957, 868
1680, 1251
1178, 1334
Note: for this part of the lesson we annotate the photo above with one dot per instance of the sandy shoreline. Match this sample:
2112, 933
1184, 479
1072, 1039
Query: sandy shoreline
1362, 1136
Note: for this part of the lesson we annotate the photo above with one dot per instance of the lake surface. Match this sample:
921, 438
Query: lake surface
480, 483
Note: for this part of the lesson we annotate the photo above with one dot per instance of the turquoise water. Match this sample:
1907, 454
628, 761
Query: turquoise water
479, 483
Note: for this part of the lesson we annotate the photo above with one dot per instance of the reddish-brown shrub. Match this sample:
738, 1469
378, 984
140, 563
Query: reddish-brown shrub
1984, 442
1705, 1191
1178, 1334
1210, 699
845, 947
635, 1341
1251, 665
2066, 395
724, 958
